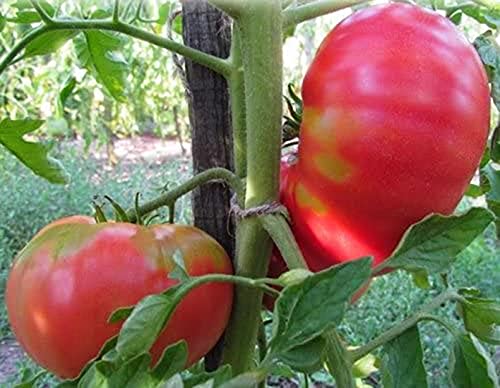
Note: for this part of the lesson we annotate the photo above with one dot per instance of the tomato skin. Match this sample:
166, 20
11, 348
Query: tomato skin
67, 281
396, 118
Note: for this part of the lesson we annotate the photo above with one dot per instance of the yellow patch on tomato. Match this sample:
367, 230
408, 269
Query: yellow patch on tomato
327, 127
306, 199
319, 123
332, 166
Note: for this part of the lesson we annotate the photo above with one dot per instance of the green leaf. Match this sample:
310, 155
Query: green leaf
282, 370
97, 375
489, 16
172, 361
133, 373
145, 323
306, 310
174, 382
147, 320
365, 366
492, 183
245, 380
474, 191
48, 43
306, 358
218, 377
163, 13
120, 214
26, 14
31, 382
294, 276
482, 318
470, 364
67, 89
98, 52
26, 4
402, 361
456, 17
489, 51
26, 17
420, 279
433, 244
33, 155
3, 22
495, 144
120, 314
177, 24
179, 272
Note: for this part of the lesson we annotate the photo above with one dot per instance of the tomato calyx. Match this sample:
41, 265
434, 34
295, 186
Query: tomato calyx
291, 126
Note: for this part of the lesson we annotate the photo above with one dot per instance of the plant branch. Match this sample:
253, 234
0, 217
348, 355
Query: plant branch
116, 11
429, 317
216, 64
13, 53
338, 361
296, 15
404, 325
237, 94
279, 230
230, 7
43, 15
169, 198
259, 23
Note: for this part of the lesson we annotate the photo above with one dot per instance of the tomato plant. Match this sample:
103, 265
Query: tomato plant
396, 113
67, 281
391, 132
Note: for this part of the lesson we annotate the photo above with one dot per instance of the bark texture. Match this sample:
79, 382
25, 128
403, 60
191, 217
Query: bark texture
207, 29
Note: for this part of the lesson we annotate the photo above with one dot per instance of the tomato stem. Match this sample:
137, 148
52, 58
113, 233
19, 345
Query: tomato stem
236, 85
169, 198
295, 15
337, 360
260, 33
395, 331
221, 66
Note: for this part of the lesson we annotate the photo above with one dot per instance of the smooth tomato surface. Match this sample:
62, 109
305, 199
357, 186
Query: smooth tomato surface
67, 281
396, 117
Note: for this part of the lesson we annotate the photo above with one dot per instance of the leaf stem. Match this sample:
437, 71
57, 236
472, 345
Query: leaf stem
338, 361
404, 325
169, 198
219, 65
296, 15
279, 230
43, 15
116, 11
231, 7
429, 317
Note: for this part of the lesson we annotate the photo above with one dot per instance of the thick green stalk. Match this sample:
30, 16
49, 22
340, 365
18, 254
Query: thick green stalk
260, 23
237, 95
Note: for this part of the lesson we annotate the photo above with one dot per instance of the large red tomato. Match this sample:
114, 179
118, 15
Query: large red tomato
67, 281
396, 117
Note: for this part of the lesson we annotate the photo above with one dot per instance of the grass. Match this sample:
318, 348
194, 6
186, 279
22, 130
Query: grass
29, 203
